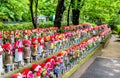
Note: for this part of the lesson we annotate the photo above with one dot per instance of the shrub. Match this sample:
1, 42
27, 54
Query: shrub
118, 30
28, 25
114, 32
45, 25
16, 26
65, 23
23, 26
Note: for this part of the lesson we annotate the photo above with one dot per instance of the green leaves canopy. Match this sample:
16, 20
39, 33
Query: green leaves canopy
106, 10
18, 10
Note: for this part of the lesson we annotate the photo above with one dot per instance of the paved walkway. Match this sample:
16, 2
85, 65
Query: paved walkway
103, 68
107, 65
113, 48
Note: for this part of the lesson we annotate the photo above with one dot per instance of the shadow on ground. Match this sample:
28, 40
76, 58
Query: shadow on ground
117, 41
103, 68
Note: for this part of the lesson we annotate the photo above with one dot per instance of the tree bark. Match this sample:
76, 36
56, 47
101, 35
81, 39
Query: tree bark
36, 6
68, 15
99, 21
34, 14
59, 13
75, 18
76, 11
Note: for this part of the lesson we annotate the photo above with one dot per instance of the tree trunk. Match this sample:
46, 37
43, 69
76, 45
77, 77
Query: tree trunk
34, 16
99, 21
76, 11
75, 18
59, 13
36, 6
68, 15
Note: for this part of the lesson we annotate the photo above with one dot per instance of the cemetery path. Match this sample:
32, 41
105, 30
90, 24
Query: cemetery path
111, 52
103, 68
113, 48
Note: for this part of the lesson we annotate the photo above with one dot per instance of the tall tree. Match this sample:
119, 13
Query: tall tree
68, 15
101, 11
34, 13
59, 13
76, 6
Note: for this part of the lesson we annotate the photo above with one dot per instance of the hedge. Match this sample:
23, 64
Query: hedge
15, 26
28, 25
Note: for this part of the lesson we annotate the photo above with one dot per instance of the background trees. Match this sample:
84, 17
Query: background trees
76, 8
59, 13
101, 11
15, 10
93, 11
33, 11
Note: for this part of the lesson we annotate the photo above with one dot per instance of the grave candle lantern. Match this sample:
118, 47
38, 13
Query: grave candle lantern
18, 52
11, 37
1, 37
7, 47
34, 49
27, 50
1, 60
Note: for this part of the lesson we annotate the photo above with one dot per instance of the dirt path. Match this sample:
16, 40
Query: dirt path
113, 48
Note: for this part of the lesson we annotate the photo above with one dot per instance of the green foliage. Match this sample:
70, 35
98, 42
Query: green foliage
65, 23
1, 23
46, 25
16, 26
18, 10
28, 25
47, 7
93, 24
118, 30
105, 10
114, 32
91, 11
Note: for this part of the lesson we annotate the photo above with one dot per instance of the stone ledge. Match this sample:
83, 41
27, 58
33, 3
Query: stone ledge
75, 68
8, 75
106, 41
